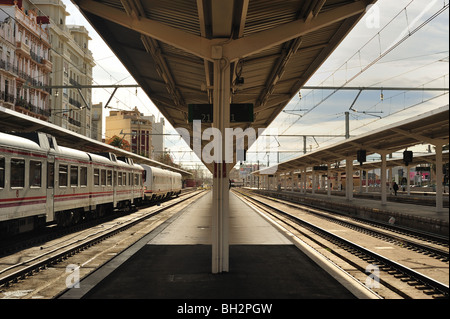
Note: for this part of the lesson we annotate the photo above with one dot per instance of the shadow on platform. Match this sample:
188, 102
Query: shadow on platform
184, 272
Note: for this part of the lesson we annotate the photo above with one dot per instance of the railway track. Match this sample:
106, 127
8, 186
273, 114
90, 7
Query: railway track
19, 272
20, 242
429, 244
354, 248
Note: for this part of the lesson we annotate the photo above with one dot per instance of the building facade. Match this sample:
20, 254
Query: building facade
97, 121
41, 60
132, 127
25, 62
157, 137
71, 108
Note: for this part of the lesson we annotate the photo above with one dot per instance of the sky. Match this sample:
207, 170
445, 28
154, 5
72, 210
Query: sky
393, 45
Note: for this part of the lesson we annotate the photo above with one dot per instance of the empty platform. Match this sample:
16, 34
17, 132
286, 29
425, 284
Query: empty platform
174, 262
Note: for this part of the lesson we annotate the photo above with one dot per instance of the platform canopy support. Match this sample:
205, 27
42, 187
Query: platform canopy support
220, 214
439, 179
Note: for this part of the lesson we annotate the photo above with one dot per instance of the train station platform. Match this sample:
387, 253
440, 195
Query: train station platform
410, 215
174, 262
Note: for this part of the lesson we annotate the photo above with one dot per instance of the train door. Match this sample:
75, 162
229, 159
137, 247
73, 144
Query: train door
114, 185
50, 188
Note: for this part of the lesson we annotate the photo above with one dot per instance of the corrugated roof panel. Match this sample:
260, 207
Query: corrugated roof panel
181, 14
261, 16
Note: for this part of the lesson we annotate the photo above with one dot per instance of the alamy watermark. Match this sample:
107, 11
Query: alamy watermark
223, 148
73, 279
372, 16
373, 279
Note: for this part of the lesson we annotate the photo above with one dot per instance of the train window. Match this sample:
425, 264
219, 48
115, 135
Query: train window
50, 175
83, 176
17, 172
96, 177
50, 142
109, 178
63, 176
35, 173
73, 175
2, 172
103, 177
130, 179
119, 179
136, 179
124, 178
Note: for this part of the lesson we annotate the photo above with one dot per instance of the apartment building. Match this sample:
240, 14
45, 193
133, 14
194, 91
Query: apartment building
158, 130
71, 108
132, 127
25, 63
41, 59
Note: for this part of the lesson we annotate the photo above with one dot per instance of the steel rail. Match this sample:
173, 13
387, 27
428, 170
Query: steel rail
414, 275
441, 254
65, 253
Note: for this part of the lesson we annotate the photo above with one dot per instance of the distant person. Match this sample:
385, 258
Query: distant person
395, 187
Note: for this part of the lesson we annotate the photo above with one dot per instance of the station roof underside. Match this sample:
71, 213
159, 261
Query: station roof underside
429, 128
12, 121
273, 47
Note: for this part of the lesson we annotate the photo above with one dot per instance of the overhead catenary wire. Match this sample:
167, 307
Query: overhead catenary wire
373, 62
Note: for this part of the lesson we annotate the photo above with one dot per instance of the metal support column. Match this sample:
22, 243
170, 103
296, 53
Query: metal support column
349, 178
220, 214
313, 177
408, 180
329, 180
367, 181
361, 176
383, 179
439, 179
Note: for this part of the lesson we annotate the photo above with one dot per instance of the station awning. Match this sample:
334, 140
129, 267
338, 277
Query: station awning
272, 46
429, 128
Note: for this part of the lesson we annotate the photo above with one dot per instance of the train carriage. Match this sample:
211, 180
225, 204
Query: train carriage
23, 170
71, 185
160, 184
43, 183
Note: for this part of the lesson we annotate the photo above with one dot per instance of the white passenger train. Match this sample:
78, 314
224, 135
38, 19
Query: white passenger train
43, 183
160, 183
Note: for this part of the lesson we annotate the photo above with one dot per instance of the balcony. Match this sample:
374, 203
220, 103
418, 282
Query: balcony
8, 67
74, 122
48, 66
7, 98
29, 109
22, 49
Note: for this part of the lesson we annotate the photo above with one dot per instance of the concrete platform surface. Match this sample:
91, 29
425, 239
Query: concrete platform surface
174, 262
184, 272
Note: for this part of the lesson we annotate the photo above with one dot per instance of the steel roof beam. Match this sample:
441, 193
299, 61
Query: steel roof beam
420, 137
234, 49
260, 41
